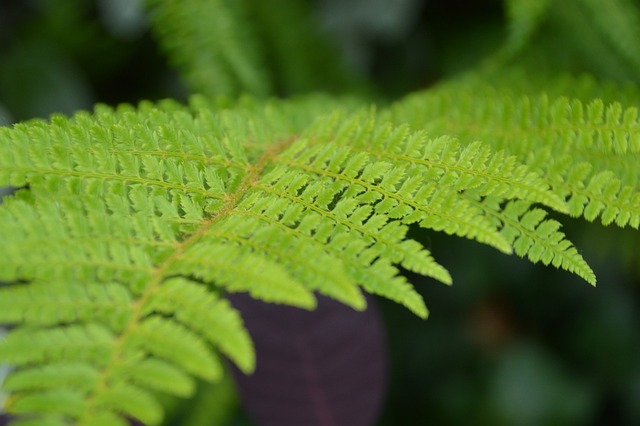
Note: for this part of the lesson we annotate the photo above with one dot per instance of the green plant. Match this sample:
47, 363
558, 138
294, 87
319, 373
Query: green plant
132, 223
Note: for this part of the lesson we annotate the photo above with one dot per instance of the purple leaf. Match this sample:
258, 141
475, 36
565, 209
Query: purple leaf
326, 367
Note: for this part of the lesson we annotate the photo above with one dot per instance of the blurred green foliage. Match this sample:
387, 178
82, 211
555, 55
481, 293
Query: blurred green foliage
511, 343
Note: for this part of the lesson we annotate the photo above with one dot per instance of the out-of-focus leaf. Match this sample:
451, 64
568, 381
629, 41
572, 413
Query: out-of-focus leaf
321, 367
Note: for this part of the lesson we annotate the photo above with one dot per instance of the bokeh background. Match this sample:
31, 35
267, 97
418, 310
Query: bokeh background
510, 343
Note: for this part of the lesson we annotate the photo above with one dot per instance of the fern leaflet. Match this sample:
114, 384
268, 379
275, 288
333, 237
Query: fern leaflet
133, 223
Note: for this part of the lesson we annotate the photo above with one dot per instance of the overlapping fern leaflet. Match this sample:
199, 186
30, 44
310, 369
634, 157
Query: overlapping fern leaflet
212, 45
598, 37
232, 47
286, 29
520, 80
524, 17
588, 152
112, 201
617, 21
108, 204
133, 223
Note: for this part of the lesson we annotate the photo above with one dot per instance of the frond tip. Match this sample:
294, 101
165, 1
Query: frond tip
539, 239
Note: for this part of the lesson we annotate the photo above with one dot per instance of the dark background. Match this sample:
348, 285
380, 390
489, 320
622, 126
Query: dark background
510, 343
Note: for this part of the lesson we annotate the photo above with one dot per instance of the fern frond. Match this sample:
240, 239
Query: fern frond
535, 237
258, 229
126, 399
212, 44
524, 18
50, 303
56, 377
53, 376
208, 314
65, 244
158, 375
239, 269
423, 166
619, 22
172, 342
89, 343
229, 48
134, 222
69, 402
590, 32
525, 80
286, 30
575, 147
572, 34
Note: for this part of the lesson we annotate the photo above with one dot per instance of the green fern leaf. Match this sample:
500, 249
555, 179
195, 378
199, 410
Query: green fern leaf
584, 152
62, 375
54, 303
69, 403
242, 270
203, 311
224, 47
129, 400
135, 222
174, 343
524, 17
287, 28
617, 21
535, 237
157, 375
210, 44
89, 343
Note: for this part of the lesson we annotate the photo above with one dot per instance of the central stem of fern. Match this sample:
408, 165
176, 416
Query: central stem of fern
252, 175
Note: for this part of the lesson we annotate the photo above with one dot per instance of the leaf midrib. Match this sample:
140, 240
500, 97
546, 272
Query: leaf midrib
253, 174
